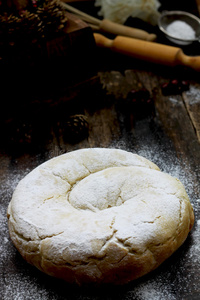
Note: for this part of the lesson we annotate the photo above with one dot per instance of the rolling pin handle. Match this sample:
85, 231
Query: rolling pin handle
189, 61
102, 41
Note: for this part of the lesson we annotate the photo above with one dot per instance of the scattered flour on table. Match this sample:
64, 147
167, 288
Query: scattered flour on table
193, 96
26, 287
194, 251
165, 157
153, 291
24, 290
8, 185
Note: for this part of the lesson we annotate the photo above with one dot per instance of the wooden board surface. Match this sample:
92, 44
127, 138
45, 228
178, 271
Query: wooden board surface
168, 133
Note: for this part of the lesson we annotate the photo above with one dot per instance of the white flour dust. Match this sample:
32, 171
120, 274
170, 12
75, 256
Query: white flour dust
153, 291
194, 251
193, 96
8, 185
165, 157
20, 285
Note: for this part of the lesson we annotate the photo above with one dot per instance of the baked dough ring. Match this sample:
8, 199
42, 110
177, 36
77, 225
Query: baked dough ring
98, 216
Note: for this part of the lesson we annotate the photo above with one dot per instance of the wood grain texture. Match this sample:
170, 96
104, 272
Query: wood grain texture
169, 135
192, 102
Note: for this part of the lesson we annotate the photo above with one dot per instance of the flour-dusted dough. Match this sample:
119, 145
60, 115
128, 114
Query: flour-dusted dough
98, 216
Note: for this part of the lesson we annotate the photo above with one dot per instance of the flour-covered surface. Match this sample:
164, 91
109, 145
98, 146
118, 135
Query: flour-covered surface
168, 136
177, 278
106, 204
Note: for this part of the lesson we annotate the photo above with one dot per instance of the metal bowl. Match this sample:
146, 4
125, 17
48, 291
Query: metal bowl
167, 17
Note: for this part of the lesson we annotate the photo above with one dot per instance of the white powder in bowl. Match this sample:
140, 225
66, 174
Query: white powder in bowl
181, 30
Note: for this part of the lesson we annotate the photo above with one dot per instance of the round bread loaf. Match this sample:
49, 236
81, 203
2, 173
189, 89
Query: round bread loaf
98, 216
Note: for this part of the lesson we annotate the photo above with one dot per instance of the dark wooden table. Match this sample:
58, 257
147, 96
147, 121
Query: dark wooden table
125, 106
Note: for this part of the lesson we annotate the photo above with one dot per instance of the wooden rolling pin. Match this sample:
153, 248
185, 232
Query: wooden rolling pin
109, 26
118, 29
148, 51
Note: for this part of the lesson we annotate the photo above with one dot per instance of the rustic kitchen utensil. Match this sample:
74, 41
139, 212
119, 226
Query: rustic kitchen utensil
148, 51
167, 18
111, 27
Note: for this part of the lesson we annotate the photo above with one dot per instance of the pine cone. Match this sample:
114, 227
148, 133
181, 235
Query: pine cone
31, 25
53, 17
75, 128
10, 26
23, 35
19, 29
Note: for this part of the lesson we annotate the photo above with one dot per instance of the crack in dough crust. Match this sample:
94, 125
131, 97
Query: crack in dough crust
98, 216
